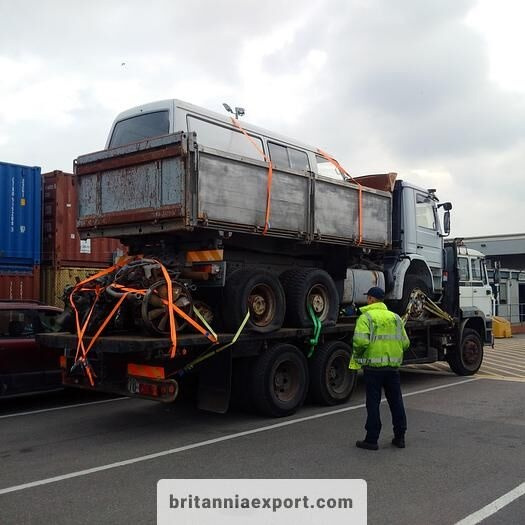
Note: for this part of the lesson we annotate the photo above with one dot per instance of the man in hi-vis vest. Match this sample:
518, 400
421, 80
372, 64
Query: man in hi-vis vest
378, 345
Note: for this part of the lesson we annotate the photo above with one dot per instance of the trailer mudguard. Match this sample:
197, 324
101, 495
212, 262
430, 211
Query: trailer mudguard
215, 379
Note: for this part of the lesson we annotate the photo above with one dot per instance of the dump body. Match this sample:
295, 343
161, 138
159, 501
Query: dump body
61, 243
173, 184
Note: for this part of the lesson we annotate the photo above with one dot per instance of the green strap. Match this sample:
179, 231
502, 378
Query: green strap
202, 358
317, 330
204, 322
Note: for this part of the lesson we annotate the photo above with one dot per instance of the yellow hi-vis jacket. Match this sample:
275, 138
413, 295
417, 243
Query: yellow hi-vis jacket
379, 338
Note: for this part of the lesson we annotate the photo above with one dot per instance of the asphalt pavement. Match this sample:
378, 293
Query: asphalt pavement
72, 457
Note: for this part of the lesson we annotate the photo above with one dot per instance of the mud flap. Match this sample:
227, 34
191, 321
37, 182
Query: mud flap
215, 378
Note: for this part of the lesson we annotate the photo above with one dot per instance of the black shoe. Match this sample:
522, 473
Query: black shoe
366, 445
399, 442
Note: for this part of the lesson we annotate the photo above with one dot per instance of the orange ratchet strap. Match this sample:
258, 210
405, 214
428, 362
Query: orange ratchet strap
82, 351
270, 175
360, 190
176, 309
173, 328
81, 330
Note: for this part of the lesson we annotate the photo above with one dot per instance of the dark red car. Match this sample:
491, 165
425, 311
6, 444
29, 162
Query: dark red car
25, 367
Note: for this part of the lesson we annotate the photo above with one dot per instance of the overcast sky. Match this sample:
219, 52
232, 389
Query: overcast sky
434, 89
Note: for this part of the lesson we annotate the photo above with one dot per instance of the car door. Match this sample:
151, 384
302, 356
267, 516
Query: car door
428, 238
465, 284
49, 357
481, 291
20, 360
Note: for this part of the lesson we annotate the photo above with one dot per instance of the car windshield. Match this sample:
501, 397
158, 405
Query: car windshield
26, 323
46, 321
16, 323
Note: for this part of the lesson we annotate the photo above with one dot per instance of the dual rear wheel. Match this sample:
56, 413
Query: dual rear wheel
273, 302
281, 377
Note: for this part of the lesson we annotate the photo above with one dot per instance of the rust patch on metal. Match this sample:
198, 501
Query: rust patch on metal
131, 216
130, 159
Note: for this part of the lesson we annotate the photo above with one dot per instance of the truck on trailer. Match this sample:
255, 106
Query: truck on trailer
267, 241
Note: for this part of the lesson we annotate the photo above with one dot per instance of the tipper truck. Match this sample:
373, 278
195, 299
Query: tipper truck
249, 255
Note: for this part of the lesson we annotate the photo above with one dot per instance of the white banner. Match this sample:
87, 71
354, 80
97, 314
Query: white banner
261, 501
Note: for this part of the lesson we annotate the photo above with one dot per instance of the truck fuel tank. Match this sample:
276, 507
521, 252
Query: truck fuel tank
358, 282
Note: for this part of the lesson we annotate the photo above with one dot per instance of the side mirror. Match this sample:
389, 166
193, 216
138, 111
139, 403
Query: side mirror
446, 222
447, 206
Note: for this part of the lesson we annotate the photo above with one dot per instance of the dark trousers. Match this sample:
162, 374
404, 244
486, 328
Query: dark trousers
375, 380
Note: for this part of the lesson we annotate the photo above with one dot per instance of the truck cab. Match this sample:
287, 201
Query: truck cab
475, 290
417, 238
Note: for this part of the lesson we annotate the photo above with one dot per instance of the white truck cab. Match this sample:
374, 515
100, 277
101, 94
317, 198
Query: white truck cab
474, 287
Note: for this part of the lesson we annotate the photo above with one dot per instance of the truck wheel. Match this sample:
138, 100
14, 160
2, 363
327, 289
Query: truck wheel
412, 282
331, 381
259, 292
466, 359
279, 380
310, 286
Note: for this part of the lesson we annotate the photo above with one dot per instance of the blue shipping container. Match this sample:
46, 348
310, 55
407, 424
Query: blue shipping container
20, 215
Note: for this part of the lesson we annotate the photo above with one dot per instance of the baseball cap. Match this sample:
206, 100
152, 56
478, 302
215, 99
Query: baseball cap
376, 292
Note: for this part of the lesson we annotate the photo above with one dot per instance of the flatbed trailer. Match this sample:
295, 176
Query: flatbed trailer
275, 370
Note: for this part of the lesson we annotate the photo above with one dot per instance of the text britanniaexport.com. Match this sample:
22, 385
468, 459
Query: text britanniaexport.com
196, 502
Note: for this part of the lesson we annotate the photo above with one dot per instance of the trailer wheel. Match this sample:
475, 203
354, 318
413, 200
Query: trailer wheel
466, 359
280, 380
331, 381
310, 286
259, 292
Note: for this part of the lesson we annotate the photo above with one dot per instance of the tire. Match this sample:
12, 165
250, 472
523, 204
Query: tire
331, 382
280, 380
466, 359
314, 286
412, 282
261, 293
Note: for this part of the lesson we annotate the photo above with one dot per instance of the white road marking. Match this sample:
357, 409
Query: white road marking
505, 364
482, 371
513, 353
169, 452
493, 507
19, 414
504, 378
508, 352
427, 371
502, 372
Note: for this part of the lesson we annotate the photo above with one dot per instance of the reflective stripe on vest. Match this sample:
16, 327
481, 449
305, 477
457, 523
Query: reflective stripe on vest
379, 360
389, 337
370, 326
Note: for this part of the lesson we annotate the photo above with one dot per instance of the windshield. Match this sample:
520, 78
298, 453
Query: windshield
140, 127
325, 168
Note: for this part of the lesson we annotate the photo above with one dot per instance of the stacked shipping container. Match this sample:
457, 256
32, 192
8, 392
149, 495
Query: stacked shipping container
65, 257
40, 249
20, 231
